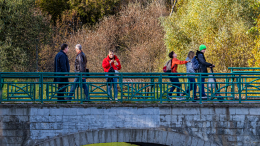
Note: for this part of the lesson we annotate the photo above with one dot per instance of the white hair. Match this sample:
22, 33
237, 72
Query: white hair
78, 46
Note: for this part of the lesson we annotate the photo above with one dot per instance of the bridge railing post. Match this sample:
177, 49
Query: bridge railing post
200, 87
239, 88
1, 85
121, 86
160, 84
81, 97
41, 88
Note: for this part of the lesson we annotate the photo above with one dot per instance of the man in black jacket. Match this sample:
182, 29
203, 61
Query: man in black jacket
80, 66
203, 67
61, 64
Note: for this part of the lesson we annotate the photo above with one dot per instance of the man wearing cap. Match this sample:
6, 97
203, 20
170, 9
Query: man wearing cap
203, 66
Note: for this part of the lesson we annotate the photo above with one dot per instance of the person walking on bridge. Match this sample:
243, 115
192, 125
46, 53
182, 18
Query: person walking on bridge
61, 64
175, 80
203, 68
111, 64
80, 66
192, 81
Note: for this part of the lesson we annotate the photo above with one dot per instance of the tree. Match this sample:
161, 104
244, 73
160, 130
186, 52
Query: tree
22, 28
221, 25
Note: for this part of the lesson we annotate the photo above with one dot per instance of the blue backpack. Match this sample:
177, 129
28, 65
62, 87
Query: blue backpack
195, 63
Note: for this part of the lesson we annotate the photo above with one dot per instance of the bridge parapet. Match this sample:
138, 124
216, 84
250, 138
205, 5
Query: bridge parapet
221, 124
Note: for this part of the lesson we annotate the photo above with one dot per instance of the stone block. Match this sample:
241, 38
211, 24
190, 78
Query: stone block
56, 111
222, 118
101, 136
151, 136
70, 111
194, 141
200, 142
252, 118
209, 117
206, 111
242, 111
163, 137
65, 140
120, 135
89, 137
170, 138
219, 111
97, 111
43, 111
254, 111
114, 135
144, 136
83, 111
165, 110
138, 135
112, 111
238, 118
189, 111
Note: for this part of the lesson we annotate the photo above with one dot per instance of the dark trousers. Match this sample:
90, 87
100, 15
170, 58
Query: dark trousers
61, 95
192, 86
174, 85
202, 88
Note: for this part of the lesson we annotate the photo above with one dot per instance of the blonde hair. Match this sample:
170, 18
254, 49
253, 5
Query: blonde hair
191, 54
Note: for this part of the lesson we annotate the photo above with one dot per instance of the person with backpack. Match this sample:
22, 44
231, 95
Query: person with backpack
203, 65
174, 66
111, 64
190, 69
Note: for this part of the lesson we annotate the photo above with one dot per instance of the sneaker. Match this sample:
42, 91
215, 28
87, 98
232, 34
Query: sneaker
204, 97
180, 98
195, 98
169, 97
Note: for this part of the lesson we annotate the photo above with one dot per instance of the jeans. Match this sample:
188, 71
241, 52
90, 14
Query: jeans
114, 86
202, 87
174, 86
192, 86
74, 86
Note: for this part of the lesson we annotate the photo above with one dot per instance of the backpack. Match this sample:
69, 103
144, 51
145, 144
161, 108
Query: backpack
168, 66
195, 63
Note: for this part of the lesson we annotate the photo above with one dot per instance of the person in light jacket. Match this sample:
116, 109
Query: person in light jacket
189, 68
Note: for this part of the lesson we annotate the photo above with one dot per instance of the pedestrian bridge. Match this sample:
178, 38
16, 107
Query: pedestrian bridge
237, 86
166, 124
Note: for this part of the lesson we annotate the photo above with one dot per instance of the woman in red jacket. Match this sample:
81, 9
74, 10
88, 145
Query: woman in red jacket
175, 63
112, 61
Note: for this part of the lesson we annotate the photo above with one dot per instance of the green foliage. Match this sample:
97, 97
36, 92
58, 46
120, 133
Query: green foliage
21, 29
53, 7
221, 25
89, 11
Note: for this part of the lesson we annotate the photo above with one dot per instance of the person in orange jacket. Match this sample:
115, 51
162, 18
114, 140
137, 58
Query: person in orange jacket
112, 61
175, 81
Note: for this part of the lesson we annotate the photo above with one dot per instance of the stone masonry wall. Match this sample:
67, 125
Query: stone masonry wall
223, 124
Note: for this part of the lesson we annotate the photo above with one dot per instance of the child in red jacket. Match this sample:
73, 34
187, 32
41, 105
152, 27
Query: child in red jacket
112, 61
176, 83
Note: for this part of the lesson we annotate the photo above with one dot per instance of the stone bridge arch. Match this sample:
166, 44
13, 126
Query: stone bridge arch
125, 135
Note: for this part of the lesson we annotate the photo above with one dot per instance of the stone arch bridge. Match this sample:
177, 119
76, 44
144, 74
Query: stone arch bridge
167, 124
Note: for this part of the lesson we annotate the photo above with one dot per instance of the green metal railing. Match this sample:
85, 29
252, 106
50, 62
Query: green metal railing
132, 87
